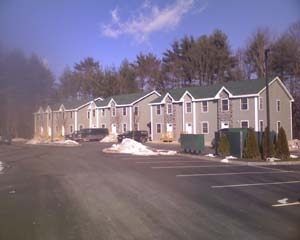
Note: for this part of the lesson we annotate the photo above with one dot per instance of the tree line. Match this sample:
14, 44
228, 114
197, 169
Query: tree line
189, 61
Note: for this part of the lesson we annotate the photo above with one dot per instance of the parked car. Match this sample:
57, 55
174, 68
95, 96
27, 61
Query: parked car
75, 136
88, 134
139, 135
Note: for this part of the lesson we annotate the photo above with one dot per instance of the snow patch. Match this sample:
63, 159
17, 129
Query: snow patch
231, 157
225, 160
68, 142
1, 167
210, 155
293, 156
131, 146
272, 159
283, 201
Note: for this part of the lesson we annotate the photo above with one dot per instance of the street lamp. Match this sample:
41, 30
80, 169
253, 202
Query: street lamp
267, 103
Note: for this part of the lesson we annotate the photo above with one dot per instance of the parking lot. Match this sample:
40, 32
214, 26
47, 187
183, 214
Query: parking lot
120, 196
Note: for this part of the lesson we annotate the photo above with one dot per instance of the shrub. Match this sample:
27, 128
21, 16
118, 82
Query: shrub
272, 148
223, 146
282, 147
251, 149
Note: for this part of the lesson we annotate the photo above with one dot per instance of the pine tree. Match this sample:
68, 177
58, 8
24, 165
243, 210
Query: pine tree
224, 146
251, 149
282, 147
272, 149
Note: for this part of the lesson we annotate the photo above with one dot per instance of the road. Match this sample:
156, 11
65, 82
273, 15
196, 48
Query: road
65, 193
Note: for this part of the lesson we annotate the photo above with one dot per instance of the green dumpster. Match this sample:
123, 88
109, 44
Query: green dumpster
193, 143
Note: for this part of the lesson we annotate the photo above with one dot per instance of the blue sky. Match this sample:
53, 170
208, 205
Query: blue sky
64, 32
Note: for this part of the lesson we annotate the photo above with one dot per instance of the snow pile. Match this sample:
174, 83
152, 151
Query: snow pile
130, 146
226, 159
110, 138
294, 144
1, 167
293, 156
210, 155
35, 141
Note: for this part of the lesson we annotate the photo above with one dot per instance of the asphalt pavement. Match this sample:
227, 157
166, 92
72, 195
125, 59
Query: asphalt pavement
55, 192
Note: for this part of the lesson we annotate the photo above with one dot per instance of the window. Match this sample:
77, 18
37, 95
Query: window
158, 110
80, 127
225, 105
204, 127
124, 111
278, 126
278, 105
103, 125
188, 107
204, 106
71, 114
245, 124
63, 115
94, 112
113, 111
103, 112
88, 114
136, 126
244, 103
261, 125
260, 103
169, 108
136, 110
49, 116
124, 127
158, 128
71, 129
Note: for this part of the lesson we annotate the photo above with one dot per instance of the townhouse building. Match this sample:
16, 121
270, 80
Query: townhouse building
205, 110
125, 112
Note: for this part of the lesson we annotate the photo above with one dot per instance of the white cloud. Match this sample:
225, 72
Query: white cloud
148, 19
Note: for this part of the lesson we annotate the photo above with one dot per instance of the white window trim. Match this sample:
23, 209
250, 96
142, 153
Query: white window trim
222, 99
202, 109
259, 125
124, 125
277, 126
113, 111
161, 130
186, 107
278, 101
124, 113
203, 128
247, 121
158, 107
260, 103
169, 104
247, 104
138, 112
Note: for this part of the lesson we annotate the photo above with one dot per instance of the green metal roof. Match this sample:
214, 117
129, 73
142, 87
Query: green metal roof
124, 99
203, 92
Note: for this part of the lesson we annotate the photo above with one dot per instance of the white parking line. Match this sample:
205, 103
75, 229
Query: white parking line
183, 161
230, 173
255, 184
195, 166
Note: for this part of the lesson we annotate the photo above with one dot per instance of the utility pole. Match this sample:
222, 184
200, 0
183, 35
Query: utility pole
267, 103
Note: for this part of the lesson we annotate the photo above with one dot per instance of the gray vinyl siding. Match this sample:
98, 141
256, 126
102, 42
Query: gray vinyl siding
284, 116
82, 117
239, 115
210, 117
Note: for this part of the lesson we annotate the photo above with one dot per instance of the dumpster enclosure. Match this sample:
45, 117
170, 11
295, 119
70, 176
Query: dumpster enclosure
193, 143
237, 139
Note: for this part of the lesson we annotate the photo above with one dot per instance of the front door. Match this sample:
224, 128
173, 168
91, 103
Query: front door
188, 128
113, 128
169, 127
224, 124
